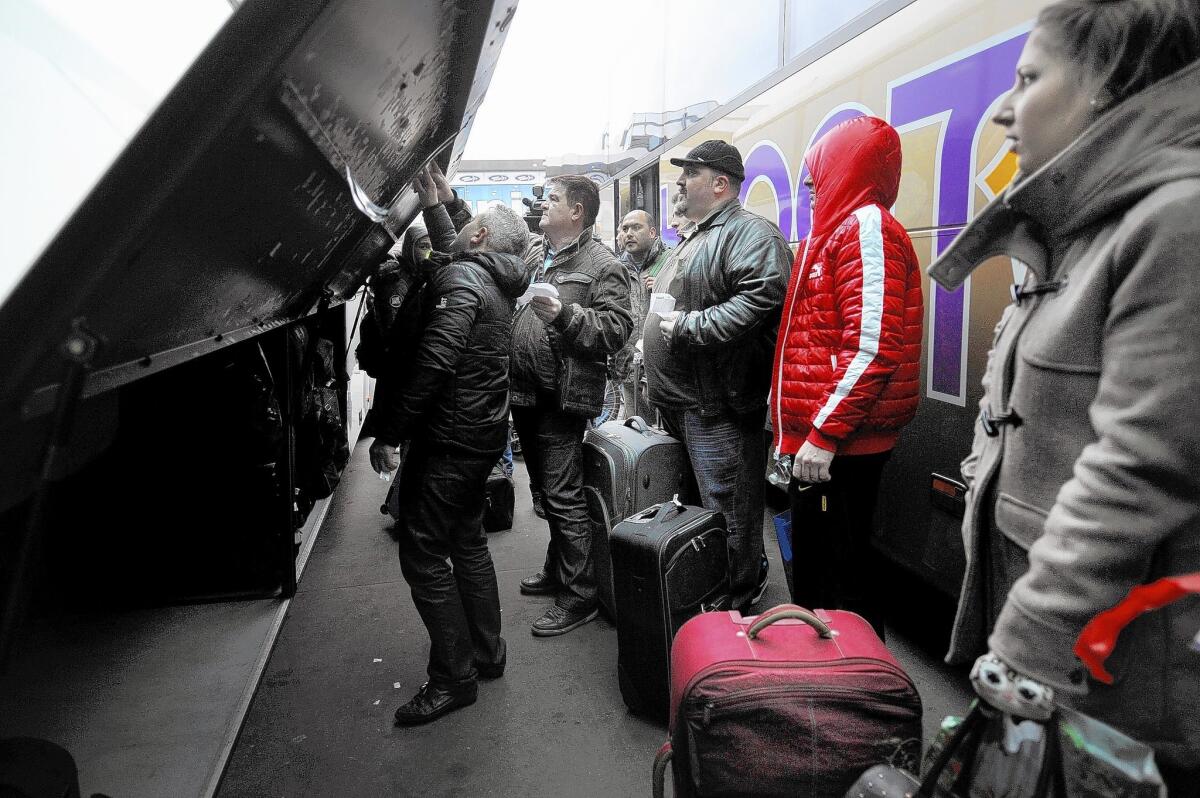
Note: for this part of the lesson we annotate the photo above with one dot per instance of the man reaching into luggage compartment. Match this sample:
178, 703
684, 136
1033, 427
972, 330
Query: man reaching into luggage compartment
449, 399
847, 364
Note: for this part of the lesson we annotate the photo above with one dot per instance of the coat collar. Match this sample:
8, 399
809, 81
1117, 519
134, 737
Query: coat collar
654, 253
1150, 139
719, 215
570, 249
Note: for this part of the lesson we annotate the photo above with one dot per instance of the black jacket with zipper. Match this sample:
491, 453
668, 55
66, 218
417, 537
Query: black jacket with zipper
732, 285
451, 388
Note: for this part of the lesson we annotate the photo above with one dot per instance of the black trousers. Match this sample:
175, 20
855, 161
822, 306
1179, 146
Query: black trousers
445, 560
833, 565
552, 444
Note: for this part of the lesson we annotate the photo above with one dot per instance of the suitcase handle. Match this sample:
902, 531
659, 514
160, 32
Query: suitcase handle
661, 760
789, 611
659, 512
638, 423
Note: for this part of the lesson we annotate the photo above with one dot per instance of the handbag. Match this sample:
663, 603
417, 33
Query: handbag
989, 755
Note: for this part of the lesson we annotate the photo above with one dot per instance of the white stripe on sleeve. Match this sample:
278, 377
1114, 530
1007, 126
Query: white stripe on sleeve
870, 247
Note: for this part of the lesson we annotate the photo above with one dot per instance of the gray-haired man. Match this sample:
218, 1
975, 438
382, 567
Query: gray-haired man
449, 398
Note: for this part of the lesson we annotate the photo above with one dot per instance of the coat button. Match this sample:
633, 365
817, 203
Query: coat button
1076, 676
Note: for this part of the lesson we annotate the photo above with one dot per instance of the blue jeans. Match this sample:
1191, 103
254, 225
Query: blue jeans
506, 459
729, 459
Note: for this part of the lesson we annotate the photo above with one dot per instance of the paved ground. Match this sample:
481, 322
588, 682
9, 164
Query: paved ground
353, 648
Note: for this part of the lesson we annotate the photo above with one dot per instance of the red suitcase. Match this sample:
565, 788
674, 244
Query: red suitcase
788, 703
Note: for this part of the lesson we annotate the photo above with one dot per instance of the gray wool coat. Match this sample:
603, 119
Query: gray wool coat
1090, 484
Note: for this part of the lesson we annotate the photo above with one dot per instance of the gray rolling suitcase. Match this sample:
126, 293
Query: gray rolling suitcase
627, 466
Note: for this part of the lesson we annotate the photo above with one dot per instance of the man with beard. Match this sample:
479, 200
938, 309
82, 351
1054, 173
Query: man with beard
643, 256
678, 220
708, 362
449, 400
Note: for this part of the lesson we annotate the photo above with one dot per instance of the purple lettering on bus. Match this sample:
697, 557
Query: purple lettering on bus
669, 236
765, 161
803, 205
962, 91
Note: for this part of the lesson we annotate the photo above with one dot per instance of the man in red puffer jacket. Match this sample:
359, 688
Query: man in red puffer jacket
847, 363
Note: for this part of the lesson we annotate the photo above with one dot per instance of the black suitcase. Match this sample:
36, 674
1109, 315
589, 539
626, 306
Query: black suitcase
669, 564
498, 511
627, 466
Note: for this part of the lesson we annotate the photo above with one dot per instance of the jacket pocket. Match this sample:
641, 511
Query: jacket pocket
573, 287
581, 390
1020, 522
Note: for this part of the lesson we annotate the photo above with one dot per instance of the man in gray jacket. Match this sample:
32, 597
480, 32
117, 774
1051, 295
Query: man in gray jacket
708, 363
560, 349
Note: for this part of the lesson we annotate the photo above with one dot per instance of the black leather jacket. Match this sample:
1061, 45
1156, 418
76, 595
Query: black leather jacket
595, 322
732, 286
451, 389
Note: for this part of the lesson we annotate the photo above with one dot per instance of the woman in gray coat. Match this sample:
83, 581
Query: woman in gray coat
1085, 472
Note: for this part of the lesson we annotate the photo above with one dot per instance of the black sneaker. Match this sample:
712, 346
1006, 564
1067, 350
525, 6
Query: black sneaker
493, 670
540, 584
559, 621
539, 509
431, 702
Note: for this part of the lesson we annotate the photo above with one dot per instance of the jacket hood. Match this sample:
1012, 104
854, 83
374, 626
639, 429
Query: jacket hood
855, 164
1147, 141
406, 247
510, 273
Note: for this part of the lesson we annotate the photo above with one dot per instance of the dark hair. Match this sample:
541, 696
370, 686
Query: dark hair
580, 189
1127, 44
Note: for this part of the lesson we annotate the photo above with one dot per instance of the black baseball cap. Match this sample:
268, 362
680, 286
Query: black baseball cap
715, 154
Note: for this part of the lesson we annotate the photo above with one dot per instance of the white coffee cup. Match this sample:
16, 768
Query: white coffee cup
661, 304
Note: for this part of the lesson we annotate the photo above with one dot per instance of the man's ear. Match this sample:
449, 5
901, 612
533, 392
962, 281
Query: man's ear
479, 236
718, 187
577, 211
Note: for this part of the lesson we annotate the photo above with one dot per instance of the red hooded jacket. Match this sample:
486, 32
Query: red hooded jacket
848, 355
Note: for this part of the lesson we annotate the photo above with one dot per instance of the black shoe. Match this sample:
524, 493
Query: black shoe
493, 670
539, 509
430, 703
559, 621
540, 584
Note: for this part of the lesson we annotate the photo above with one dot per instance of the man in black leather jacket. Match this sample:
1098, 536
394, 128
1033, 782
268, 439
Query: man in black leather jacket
708, 363
450, 401
560, 349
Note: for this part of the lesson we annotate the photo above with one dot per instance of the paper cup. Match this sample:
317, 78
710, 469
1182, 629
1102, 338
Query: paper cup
661, 304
